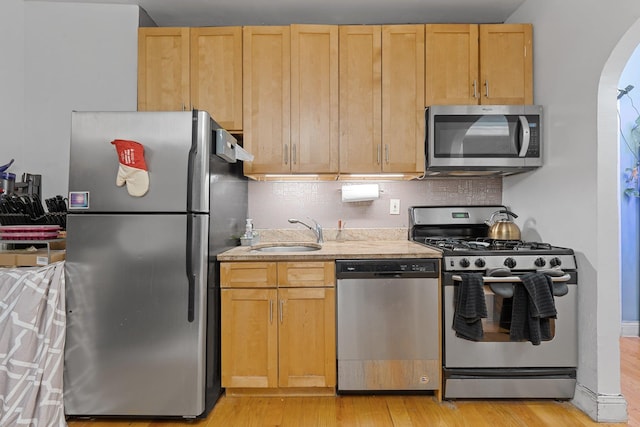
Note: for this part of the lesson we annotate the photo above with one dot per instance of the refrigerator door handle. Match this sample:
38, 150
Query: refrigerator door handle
197, 249
191, 276
196, 260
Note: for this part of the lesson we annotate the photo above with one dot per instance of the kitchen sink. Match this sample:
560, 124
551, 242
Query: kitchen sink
287, 247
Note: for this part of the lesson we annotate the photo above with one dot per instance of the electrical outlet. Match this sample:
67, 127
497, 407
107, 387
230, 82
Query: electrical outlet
394, 207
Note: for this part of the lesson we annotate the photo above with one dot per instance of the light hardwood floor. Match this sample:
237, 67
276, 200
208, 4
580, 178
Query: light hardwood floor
402, 411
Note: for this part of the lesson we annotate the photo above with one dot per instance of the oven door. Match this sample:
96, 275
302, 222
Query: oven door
495, 350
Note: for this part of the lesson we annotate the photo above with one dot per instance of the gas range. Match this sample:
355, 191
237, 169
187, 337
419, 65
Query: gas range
496, 363
459, 232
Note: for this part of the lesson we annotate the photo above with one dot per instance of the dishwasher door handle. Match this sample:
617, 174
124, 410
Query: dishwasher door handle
394, 275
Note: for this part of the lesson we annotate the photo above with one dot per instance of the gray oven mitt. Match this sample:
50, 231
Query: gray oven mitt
559, 288
505, 290
499, 272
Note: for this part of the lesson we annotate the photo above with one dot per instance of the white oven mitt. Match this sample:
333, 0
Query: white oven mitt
133, 169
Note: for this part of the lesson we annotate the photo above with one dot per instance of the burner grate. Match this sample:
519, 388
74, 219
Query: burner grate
482, 243
454, 243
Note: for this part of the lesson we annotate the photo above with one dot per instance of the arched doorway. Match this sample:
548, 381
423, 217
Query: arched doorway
629, 117
608, 168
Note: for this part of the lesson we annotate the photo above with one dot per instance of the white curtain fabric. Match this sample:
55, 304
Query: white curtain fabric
32, 333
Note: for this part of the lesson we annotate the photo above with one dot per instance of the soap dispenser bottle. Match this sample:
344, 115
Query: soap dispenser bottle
248, 229
247, 237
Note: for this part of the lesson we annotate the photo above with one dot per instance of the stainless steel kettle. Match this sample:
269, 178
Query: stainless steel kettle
503, 229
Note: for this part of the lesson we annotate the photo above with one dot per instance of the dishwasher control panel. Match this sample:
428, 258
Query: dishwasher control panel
409, 267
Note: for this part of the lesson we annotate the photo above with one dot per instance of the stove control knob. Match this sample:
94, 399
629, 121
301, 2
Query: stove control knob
464, 263
510, 262
540, 262
480, 263
555, 262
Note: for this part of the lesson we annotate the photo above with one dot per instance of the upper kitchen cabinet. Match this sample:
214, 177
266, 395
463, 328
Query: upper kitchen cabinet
403, 98
314, 99
382, 99
291, 100
201, 68
163, 69
267, 98
478, 64
506, 63
451, 58
360, 99
216, 74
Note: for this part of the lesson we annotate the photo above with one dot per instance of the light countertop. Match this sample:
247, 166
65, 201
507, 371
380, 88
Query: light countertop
332, 250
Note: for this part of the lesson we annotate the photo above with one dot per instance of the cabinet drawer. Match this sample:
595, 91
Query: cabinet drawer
248, 274
306, 274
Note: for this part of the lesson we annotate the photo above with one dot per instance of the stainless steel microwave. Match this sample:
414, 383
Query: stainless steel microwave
483, 140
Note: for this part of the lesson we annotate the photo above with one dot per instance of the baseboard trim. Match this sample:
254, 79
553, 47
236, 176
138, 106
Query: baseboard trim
630, 329
602, 408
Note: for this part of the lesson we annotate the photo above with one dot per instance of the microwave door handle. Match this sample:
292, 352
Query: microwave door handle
526, 135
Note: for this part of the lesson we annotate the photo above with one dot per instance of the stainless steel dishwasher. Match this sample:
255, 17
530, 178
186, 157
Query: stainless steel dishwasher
388, 325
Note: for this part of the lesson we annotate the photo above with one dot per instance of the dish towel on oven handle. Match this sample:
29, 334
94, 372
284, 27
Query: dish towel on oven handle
470, 307
533, 307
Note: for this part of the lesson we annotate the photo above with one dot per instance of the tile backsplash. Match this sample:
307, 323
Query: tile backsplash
272, 203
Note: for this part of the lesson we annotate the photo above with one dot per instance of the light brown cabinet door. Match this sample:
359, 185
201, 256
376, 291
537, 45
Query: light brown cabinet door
216, 74
360, 99
314, 99
249, 325
506, 63
307, 337
163, 69
403, 98
267, 101
451, 64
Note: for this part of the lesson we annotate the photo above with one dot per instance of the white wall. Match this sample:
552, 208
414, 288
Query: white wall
573, 199
62, 57
11, 80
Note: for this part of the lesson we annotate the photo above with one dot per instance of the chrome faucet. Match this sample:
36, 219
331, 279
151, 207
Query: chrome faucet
317, 230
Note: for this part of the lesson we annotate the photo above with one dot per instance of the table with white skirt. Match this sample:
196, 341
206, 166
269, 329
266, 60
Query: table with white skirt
32, 335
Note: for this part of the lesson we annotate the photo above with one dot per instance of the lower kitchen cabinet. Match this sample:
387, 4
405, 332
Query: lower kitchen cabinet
278, 335
249, 338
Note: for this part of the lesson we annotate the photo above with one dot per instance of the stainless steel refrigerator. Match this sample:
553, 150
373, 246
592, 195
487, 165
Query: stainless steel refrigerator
142, 281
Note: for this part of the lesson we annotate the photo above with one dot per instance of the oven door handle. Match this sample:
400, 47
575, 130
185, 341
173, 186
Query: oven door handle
503, 286
512, 279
